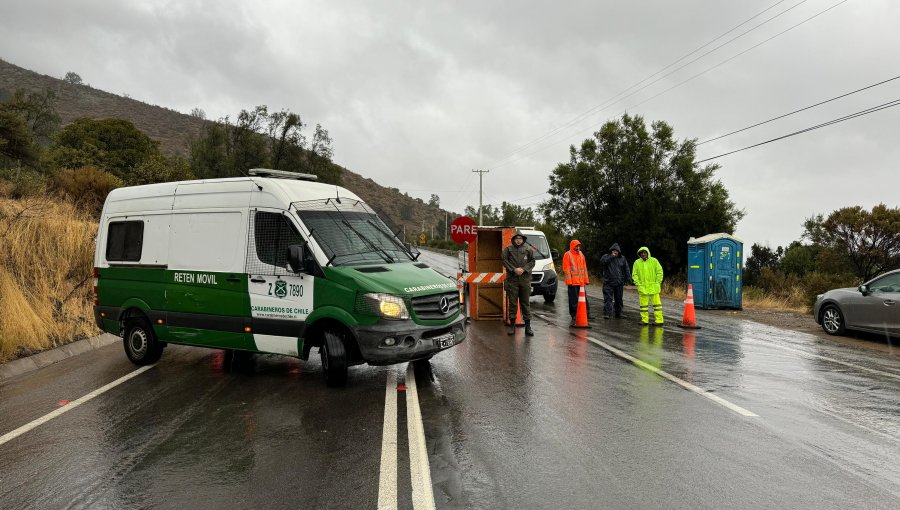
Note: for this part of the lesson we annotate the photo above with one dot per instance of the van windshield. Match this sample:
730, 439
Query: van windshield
539, 243
351, 237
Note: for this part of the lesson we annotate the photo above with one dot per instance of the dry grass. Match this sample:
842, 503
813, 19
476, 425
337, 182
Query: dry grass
788, 300
46, 256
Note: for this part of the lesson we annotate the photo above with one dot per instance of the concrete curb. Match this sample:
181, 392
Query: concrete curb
42, 359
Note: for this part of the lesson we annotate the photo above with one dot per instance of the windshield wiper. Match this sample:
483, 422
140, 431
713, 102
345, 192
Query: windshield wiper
385, 255
393, 239
535, 248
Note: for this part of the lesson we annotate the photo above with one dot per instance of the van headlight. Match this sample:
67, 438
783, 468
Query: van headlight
386, 305
550, 266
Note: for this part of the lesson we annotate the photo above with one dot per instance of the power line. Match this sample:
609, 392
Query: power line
860, 113
689, 79
798, 111
614, 99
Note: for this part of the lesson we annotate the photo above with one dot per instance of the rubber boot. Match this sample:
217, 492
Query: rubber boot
511, 329
528, 330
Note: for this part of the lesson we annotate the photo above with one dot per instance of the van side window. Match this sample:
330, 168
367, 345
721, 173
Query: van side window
272, 234
125, 241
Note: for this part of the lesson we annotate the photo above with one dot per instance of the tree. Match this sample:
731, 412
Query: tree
434, 201
516, 215
16, 141
490, 214
321, 153
112, 145
760, 257
638, 187
798, 259
868, 240
37, 109
198, 113
159, 168
258, 138
73, 78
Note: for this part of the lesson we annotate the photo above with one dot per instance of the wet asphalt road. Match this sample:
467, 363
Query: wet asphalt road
554, 421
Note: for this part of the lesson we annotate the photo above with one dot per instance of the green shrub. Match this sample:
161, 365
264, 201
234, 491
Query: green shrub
22, 182
158, 168
815, 283
86, 186
777, 284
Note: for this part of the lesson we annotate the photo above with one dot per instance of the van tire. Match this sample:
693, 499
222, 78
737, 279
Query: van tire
141, 345
334, 358
549, 298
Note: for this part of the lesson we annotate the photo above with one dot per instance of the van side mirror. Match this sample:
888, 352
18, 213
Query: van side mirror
295, 257
554, 253
864, 289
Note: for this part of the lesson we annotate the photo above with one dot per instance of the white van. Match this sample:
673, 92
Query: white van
268, 263
543, 277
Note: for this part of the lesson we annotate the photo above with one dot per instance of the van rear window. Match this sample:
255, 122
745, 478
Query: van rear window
125, 241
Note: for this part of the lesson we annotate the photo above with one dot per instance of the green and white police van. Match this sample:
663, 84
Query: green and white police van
269, 263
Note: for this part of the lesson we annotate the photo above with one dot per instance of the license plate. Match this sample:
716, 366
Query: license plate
444, 341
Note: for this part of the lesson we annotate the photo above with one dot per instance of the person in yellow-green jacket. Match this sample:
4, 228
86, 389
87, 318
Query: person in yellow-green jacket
647, 274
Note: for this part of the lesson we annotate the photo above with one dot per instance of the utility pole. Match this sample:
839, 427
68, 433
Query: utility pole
446, 223
480, 193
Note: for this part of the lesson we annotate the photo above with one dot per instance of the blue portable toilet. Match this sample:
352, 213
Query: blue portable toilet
715, 271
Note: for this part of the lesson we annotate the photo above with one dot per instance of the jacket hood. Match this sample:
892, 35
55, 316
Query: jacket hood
615, 246
519, 234
644, 248
573, 243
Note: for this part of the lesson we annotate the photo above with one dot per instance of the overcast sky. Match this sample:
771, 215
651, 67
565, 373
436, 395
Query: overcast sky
417, 94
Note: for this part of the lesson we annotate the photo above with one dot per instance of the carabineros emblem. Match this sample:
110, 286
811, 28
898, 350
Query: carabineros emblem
281, 288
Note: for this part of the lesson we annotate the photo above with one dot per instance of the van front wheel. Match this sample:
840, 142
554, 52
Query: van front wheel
141, 345
334, 359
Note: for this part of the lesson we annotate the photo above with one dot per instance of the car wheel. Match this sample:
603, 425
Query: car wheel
334, 359
833, 320
141, 345
549, 298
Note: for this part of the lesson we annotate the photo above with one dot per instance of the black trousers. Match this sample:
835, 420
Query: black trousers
573, 300
612, 295
518, 293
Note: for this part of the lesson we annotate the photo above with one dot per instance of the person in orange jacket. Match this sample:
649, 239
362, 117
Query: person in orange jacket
575, 272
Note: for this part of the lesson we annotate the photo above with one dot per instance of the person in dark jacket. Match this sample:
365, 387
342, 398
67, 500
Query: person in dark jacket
518, 259
616, 274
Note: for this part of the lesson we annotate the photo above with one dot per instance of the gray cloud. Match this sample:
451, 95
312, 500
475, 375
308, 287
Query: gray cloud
417, 94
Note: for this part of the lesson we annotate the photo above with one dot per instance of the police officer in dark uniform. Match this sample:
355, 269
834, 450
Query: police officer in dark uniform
518, 259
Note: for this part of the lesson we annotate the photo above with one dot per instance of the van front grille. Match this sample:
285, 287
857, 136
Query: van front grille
429, 307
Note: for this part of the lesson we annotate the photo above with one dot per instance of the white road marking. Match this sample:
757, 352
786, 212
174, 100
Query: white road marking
9, 436
422, 493
684, 384
387, 481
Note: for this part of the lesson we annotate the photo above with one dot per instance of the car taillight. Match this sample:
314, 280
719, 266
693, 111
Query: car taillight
96, 292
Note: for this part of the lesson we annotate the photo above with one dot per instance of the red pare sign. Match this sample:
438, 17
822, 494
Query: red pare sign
463, 229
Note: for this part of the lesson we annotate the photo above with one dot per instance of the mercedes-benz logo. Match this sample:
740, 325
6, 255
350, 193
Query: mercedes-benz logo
445, 305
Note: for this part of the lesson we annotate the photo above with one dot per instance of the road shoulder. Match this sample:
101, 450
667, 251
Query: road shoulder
42, 359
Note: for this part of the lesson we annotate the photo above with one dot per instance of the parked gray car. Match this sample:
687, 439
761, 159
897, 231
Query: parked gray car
873, 306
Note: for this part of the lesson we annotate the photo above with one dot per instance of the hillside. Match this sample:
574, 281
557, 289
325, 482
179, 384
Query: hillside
173, 130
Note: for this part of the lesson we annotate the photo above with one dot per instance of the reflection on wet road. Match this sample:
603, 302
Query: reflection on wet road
597, 418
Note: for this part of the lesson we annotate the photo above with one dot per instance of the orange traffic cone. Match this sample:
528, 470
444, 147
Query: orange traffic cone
689, 321
581, 319
519, 322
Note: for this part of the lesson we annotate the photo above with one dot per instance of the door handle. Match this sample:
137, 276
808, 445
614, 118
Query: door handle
258, 279
233, 279
889, 302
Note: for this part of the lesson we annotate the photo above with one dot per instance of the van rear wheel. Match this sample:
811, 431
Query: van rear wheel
334, 359
141, 345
